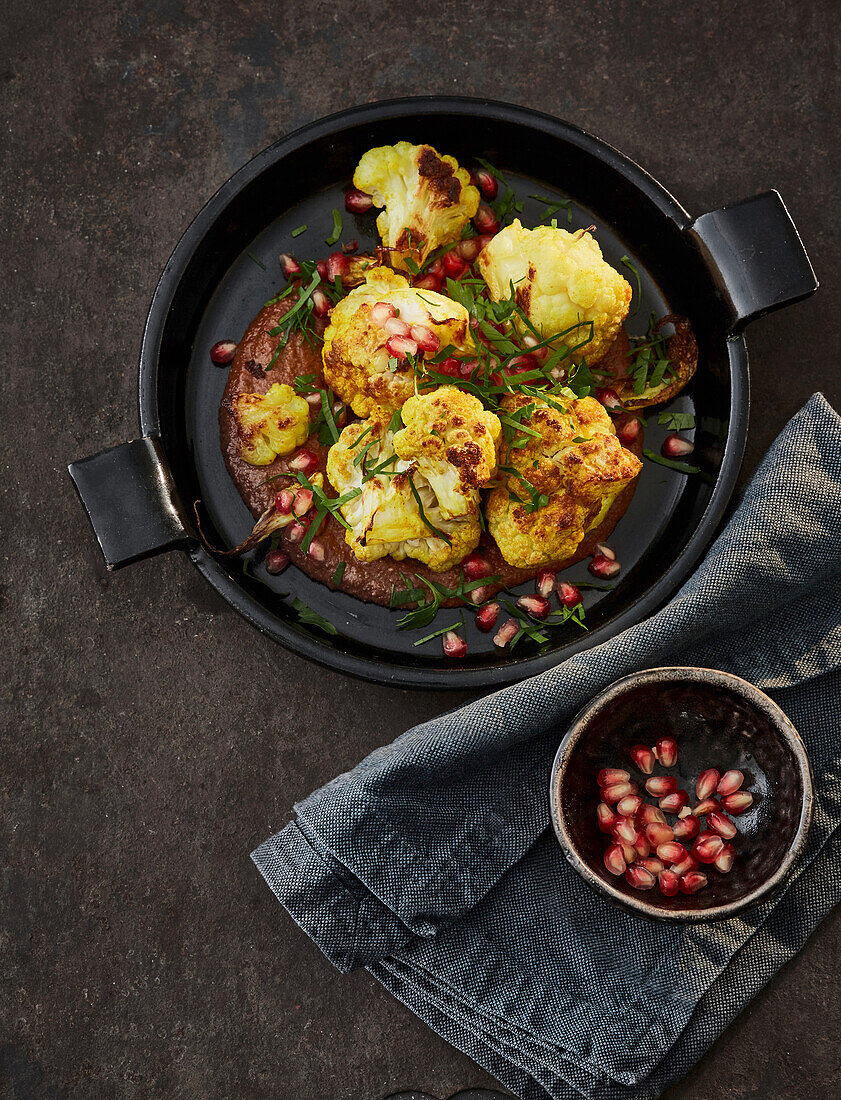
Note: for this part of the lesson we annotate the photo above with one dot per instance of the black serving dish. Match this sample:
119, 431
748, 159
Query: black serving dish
718, 720
721, 270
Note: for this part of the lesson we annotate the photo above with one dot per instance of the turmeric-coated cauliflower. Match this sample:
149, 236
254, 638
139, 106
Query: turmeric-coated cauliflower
270, 425
561, 484
428, 199
560, 280
396, 511
358, 365
452, 438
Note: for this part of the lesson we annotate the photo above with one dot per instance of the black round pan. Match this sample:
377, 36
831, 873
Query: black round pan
721, 270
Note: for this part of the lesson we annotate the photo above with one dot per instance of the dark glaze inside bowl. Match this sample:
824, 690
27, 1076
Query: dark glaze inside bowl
718, 721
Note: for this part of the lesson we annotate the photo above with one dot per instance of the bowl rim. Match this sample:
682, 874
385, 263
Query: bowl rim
689, 674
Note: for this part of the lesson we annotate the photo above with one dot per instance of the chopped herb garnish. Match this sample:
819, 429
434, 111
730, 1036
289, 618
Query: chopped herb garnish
676, 421
430, 599
554, 205
437, 633
396, 422
327, 413
257, 261
312, 618
360, 437
337, 227
301, 229
435, 530
305, 383
672, 463
338, 574
626, 262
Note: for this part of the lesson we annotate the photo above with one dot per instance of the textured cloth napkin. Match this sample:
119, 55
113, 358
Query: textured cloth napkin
432, 863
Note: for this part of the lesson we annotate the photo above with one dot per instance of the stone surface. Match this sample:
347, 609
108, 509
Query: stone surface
141, 955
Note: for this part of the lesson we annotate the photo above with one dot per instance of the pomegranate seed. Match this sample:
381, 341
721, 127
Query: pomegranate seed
721, 824
315, 551
487, 183
624, 832
295, 532
608, 776
685, 866
520, 364
426, 339
382, 311
708, 806
657, 833
660, 785
485, 221
605, 551
639, 877
642, 847
671, 852
394, 326
314, 399
628, 853
724, 860
603, 567
707, 846
649, 814
608, 397
614, 791
706, 784
321, 268
730, 782
401, 346
276, 561
568, 594
546, 582
283, 502
448, 366
321, 305
303, 502
666, 752
674, 446
289, 266
672, 803
303, 460
692, 882
223, 352
629, 432
427, 282
468, 249
509, 629
476, 566
668, 883
486, 617
478, 595
643, 757
454, 265
686, 828
605, 817
350, 247
357, 202
536, 606
338, 265
737, 802
652, 864
614, 860
484, 240
454, 646
629, 805
685, 812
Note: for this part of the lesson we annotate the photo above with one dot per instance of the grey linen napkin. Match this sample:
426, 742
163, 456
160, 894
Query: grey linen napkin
432, 862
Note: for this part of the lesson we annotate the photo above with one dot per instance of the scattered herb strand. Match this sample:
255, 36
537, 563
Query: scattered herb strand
438, 633
301, 229
256, 260
307, 615
327, 411
337, 227
672, 463
627, 262
338, 574
425, 518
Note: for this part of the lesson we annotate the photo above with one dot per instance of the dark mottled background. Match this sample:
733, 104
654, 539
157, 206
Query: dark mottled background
151, 738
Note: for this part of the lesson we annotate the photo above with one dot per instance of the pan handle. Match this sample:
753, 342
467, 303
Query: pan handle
756, 256
131, 501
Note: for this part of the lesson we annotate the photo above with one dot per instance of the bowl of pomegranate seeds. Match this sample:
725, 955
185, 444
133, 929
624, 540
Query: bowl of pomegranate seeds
682, 794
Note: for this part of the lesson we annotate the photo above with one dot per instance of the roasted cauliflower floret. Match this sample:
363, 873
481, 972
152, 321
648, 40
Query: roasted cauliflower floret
452, 439
270, 425
560, 280
358, 365
561, 484
396, 511
428, 199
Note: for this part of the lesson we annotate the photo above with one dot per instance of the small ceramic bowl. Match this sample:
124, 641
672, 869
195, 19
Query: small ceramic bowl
718, 721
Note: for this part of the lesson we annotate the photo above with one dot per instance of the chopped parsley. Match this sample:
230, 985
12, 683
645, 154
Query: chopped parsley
256, 260
672, 463
676, 421
337, 227
338, 574
312, 618
301, 229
